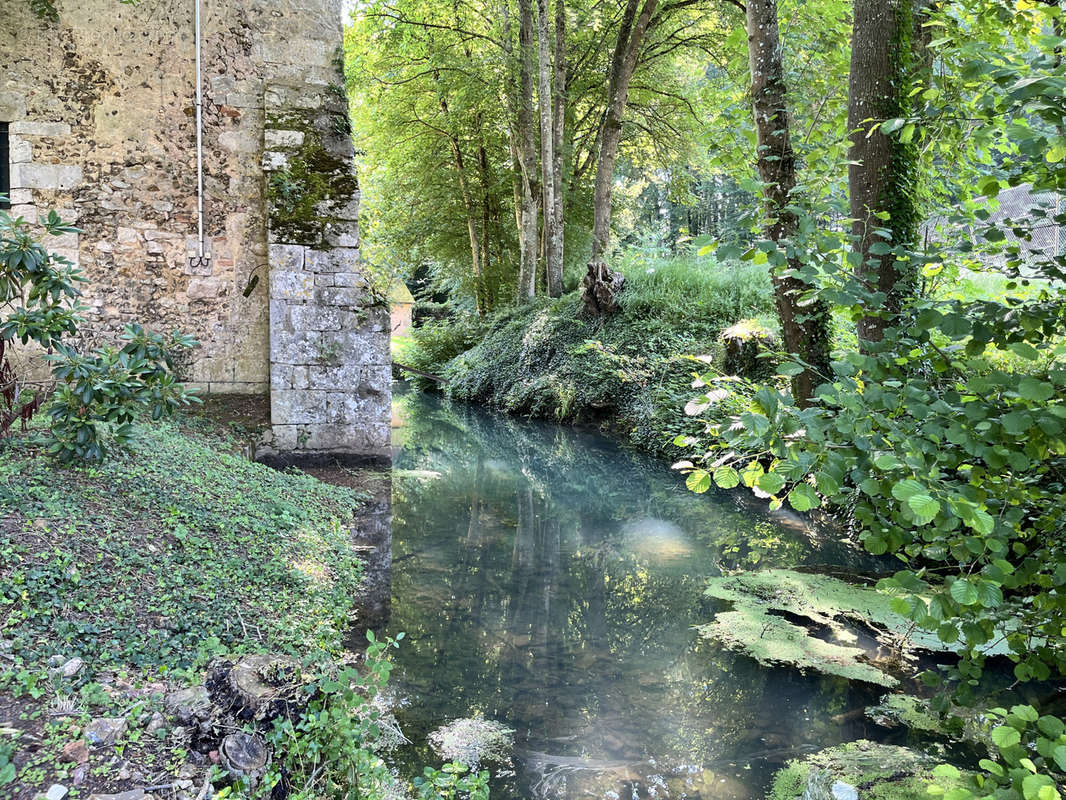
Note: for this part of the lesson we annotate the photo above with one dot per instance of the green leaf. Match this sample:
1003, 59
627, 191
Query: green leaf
1005, 736
698, 481
904, 490
789, 368
803, 498
1037, 391
771, 482
964, 592
945, 771
887, 461
726, 477
924, 506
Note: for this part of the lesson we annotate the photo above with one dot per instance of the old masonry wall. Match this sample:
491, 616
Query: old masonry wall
101, 113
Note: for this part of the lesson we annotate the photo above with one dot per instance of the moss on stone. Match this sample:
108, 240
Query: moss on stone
312, 182
877, 771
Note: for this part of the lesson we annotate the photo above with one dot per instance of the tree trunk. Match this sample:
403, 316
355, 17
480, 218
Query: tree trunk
546, 103
623, 63
804, 328
527, 153
559, 139
882, 170
468, 207
601, 284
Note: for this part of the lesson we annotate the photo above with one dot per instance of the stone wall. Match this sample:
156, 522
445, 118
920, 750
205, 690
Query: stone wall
102, 113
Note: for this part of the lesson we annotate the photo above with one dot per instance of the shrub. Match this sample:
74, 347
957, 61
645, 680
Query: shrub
89, 393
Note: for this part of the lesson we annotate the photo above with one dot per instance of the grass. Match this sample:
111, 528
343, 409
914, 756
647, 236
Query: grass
631, 372
145, 567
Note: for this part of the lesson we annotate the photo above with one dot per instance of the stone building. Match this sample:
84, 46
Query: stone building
98, 113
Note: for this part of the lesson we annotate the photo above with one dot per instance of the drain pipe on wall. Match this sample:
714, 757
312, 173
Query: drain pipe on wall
202, 259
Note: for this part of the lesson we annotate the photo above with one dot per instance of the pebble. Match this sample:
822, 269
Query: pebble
132, 794
156, 722
844, 791
56, 791
76, 752
105, 731
72, 667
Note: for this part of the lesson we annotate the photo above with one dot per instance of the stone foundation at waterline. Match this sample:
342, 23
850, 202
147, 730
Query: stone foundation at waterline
101, 113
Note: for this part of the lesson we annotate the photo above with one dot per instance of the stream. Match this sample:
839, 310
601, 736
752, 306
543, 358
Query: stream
549, 579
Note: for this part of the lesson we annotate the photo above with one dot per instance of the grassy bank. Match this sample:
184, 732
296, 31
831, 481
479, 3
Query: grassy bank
631, 372
118, 583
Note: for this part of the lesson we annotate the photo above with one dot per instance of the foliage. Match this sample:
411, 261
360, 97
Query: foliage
881, 772
332, 749
941, 454
544, 360
164, 532
101, 391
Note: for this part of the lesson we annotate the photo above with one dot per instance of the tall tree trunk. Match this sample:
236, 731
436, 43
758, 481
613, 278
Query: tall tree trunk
883, 167
468, 207
601, 283
546, 103
529, 209
559, 138
805, 327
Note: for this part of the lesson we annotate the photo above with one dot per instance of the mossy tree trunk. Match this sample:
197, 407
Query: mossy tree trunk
804, 326
886, 56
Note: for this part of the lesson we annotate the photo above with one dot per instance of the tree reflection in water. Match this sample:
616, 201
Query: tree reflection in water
550, 580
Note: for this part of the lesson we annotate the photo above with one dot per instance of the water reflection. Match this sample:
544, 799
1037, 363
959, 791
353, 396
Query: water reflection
547, 579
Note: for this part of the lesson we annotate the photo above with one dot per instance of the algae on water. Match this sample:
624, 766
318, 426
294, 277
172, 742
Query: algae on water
764, 602
915, 713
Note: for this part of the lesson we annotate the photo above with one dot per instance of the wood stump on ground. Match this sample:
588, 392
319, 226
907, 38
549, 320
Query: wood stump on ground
743, 343
257, 687
601, 286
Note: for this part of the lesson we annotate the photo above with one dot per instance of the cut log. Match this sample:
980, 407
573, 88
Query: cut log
257, 687
601, 286
244, 756
743, 344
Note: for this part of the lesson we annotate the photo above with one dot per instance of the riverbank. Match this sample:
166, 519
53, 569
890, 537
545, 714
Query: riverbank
120, 582
629, 374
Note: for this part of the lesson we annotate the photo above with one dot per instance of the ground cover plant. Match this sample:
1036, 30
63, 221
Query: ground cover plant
629, 372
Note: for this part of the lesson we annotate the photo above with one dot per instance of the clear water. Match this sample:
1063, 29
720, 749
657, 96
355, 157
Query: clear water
551, 580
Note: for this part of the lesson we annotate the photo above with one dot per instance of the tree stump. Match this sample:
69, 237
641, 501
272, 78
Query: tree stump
601, 286
244, 756
743, 343
257, 687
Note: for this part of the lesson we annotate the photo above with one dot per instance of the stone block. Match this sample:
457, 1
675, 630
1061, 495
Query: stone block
285, 436
353, 280
316, 318
291, 285
32, 128
203, 289
343, 297
280, 377
337, 437
343, 237
297, 407
344, 378
300, 378
46, 176
274, 161
20, 151
239, 141
21, 196
273, 138
338, 259
287, 257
